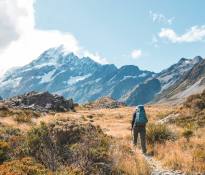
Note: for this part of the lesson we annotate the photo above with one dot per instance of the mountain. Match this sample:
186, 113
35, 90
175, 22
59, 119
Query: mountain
148, 90
52, 71
1, 98
106, 81
142, 93
191, 83
170, 76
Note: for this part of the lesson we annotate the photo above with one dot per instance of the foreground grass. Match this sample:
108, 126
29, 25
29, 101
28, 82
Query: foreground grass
123, 159
175, 154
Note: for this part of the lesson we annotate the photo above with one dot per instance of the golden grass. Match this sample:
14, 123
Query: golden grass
116, 122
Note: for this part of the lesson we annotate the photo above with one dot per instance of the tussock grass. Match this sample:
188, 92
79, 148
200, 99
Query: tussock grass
176, 154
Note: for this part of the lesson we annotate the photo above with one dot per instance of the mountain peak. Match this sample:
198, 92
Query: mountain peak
198, 58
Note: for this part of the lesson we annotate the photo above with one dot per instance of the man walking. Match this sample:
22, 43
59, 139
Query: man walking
139, 119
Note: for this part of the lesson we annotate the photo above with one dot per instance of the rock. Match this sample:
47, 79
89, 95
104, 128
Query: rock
41, 102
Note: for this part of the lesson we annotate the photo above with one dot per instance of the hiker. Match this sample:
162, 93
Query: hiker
139, 119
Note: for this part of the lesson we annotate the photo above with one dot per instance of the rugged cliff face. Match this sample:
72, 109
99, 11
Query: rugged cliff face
191, 83
142, 93
107, 81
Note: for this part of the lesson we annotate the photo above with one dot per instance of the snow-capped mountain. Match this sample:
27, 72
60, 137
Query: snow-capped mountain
148, 90
53, 70
106, 81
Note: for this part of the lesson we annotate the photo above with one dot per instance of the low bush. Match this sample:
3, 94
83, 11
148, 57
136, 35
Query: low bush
90, 116
22, 117
187, 134
25, 166
200, 156
159, 133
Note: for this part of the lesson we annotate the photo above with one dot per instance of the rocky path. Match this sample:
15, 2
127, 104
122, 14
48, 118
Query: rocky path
156, 166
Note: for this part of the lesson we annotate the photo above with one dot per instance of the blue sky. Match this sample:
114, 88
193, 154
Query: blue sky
150, 34
115, 28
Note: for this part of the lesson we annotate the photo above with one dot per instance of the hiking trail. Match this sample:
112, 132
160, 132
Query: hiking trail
156, 166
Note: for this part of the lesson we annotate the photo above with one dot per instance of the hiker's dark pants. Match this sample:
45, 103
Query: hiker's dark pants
142, 131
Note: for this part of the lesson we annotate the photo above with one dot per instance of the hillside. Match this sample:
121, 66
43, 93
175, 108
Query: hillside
191, 83
148, 90
174, 73
142, 93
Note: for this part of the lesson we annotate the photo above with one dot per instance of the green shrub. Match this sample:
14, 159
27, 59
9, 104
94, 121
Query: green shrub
200, 155
4, 146
73, 110
25, 166
82, 116
52, 113
90, 116
23, 117
187, 134
159, 133
7, 132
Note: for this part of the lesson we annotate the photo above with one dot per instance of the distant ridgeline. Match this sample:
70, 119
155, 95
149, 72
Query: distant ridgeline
192, 82
85, 80
1, 98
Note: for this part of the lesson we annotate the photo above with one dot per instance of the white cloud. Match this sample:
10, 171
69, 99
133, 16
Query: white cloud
95, 57
20, 42
194, 34
154, 39
170, 20
161, 18
136, 54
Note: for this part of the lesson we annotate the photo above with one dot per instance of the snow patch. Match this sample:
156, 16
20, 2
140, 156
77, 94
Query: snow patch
125, 77
98, 80
111, 79
47, 77
73, 80
13, 83
142, 75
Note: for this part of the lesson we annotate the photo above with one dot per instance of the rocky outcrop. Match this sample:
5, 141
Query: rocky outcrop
105, 102
42, 101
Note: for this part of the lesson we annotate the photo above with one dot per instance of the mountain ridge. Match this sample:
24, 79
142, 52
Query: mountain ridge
191, 83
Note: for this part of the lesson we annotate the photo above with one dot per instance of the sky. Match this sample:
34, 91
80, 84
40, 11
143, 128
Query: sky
152, 35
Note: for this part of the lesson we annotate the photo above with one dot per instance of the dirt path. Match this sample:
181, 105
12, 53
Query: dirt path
156, 166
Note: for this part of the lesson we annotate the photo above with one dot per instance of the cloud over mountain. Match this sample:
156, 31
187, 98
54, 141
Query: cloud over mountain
20, 42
